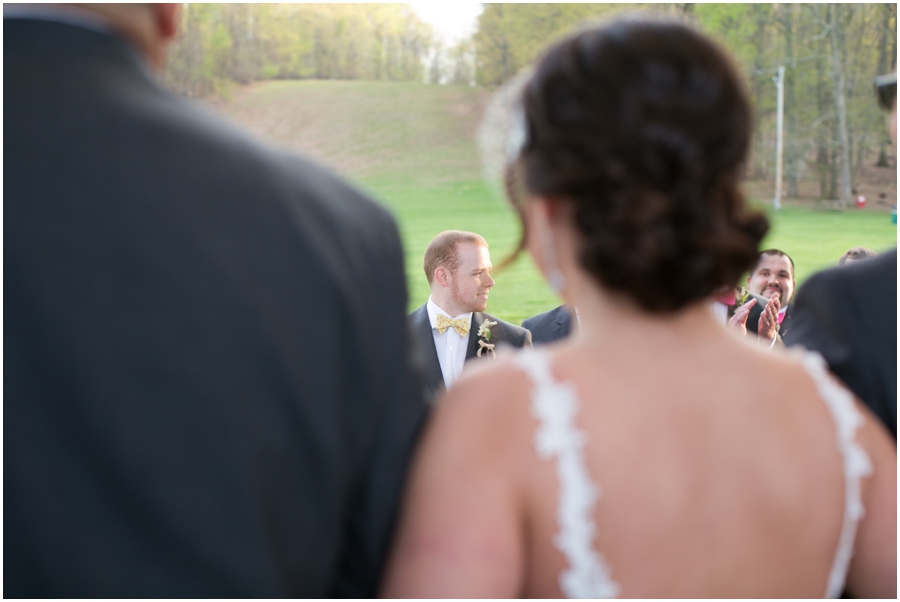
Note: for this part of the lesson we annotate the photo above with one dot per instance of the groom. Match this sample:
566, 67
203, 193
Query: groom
451, 327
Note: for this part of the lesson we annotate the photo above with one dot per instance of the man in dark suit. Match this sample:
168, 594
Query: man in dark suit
763, 308
451, 327
772, 278
207, 390
549, 326
849, 315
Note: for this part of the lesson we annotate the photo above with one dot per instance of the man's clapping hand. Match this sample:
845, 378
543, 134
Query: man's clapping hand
768, 319
739, 319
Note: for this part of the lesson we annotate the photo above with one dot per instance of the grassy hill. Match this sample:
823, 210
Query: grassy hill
413, 147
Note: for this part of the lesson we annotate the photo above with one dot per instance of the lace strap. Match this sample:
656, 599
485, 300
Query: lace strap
555, 406
847, 420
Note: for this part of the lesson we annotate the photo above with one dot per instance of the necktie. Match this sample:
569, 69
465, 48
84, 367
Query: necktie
460, 325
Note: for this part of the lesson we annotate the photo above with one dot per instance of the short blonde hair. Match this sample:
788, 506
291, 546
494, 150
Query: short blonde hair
442, 250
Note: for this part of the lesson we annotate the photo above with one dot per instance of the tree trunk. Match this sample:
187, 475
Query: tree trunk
886, 41
791, 147
759, 172
823, 165
837, 39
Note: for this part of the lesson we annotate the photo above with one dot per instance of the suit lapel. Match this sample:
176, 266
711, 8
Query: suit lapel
434, 378
472, 347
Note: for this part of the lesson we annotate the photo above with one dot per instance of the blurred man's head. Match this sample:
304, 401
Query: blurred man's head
773, 273
886, 89
856, 254
149, 27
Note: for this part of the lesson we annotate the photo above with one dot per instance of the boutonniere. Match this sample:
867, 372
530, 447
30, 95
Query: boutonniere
743, 295
484, 332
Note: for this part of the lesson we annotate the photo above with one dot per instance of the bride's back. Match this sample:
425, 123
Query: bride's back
718, 470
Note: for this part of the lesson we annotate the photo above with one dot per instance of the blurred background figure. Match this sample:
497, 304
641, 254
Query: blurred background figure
550, 326
651, 453
206, 391
849, 313
856, 254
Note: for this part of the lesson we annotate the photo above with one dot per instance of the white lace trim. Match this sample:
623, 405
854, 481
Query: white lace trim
856, 462
555, 405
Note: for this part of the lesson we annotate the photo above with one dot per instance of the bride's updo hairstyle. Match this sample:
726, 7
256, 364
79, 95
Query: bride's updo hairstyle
643, 126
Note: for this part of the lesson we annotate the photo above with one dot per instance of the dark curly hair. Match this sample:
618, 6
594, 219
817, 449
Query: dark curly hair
643, 125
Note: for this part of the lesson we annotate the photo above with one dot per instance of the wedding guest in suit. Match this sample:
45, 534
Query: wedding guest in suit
771, 281
207, 392
651, 454
451, 328
849, 313
549, 326
856, 254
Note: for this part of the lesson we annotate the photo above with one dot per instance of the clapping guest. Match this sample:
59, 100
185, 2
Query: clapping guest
651, 453
773, 278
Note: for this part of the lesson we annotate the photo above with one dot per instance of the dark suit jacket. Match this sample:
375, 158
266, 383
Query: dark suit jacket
206, 390
849, 315
426, 355
549, 326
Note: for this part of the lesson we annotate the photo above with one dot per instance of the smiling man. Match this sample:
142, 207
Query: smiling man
451, 327
773, 278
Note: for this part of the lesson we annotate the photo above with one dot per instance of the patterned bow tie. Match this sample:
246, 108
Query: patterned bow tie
460, 325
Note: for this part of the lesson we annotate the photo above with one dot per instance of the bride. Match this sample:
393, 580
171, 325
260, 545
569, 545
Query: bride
652, 454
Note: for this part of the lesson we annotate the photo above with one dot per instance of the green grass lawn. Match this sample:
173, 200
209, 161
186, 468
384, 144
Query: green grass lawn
814, 239
413, 147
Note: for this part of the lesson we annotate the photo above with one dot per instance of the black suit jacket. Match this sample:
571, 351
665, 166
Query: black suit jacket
207, 392
849, 315
549, 326
503, 333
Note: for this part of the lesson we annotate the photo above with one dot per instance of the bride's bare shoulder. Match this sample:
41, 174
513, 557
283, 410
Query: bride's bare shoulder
491, 398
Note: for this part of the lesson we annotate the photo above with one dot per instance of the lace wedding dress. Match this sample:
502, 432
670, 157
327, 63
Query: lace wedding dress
556, 406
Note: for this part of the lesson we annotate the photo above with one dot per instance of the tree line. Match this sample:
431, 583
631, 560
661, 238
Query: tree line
831, 53
225, 44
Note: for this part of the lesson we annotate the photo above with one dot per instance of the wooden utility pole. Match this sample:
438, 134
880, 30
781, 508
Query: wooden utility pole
779, 137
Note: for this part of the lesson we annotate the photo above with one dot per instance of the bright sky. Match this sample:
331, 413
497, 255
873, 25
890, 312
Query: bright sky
454, 18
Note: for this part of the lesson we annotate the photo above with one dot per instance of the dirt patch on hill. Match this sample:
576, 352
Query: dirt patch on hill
367, 129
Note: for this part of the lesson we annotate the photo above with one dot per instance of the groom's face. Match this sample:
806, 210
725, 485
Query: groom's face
471, 281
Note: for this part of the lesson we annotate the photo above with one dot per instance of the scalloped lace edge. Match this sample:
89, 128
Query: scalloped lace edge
857, 464
556, 406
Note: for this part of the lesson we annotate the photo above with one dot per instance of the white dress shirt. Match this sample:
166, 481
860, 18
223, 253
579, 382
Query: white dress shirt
450, 347
720, 311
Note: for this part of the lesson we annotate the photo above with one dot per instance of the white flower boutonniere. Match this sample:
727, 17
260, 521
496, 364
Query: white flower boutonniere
484, 331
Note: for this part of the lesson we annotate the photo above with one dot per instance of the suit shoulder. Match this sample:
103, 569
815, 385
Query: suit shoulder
503, 324
418, 314
548, 317
515, 335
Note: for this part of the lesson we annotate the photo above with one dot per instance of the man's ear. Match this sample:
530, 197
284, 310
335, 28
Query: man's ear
167, 19
442, 276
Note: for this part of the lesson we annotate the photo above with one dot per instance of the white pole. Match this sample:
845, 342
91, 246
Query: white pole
779, 144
